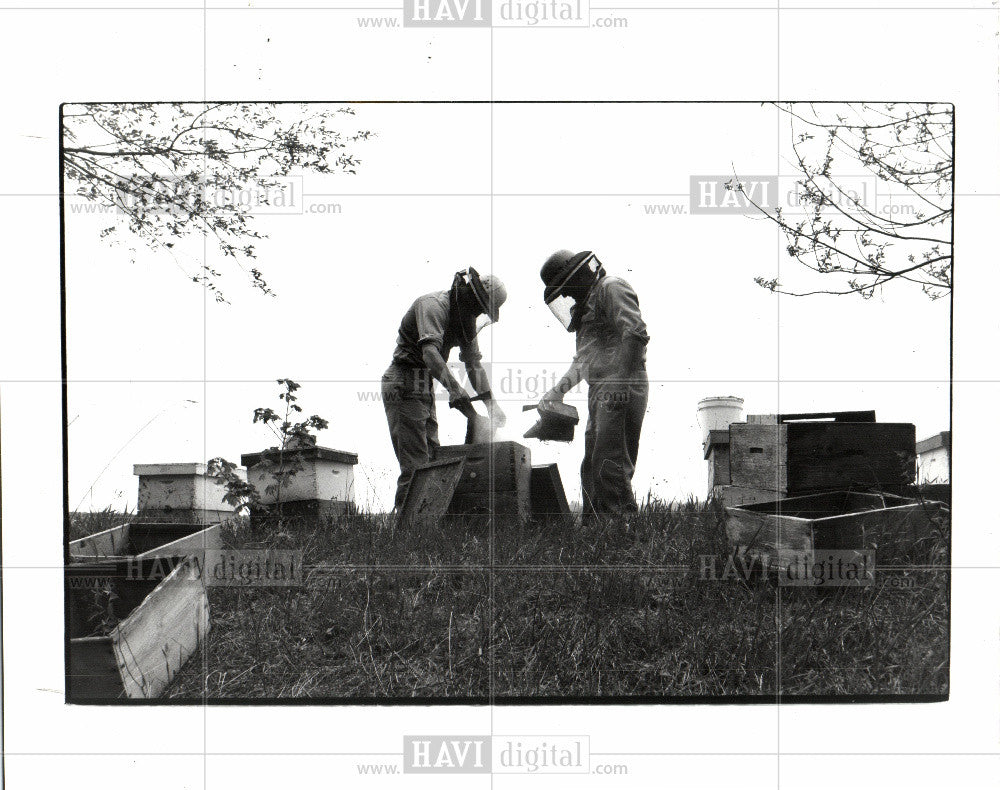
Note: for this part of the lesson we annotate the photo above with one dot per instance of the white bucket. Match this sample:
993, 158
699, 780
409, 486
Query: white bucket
716, 414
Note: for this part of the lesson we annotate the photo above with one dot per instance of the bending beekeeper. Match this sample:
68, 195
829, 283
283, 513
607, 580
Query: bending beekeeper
433, 325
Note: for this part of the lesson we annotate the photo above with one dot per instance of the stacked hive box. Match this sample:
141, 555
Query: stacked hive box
716, 449
182, 493
790, 458
496, 479
322, 486
801, 485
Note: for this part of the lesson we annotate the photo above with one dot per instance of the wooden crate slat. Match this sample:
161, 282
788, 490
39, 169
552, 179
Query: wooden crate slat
197, 543
164, 541
154, 642
733, 496
761, 534
109, 542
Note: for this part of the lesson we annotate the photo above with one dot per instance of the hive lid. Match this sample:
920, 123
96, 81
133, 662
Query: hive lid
305, 454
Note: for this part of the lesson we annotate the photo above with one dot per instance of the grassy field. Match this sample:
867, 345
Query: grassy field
618, 609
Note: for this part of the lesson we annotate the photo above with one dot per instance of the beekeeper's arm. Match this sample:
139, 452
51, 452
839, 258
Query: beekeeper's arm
473, 360
431, 323
621, 305
570, 379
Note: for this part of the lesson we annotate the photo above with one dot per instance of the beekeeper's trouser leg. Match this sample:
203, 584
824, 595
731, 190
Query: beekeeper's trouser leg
408, 398
611, 445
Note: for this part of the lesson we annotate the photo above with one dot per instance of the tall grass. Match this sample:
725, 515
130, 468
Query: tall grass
562, 610
86, 522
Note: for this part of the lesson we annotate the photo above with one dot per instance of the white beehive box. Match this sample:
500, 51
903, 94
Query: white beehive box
326, 475
179, 487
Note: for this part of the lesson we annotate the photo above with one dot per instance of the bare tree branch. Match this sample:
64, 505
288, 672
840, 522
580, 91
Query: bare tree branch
899, 145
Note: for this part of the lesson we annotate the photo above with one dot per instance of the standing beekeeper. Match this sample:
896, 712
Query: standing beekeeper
430, 329
611, 338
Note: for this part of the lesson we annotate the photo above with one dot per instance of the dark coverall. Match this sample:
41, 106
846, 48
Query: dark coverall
616, 407
408, 387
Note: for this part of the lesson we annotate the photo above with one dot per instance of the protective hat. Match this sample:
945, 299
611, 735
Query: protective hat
490, 293
557, 272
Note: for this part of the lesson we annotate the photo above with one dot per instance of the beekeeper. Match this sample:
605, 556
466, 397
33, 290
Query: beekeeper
611, 338
435, 324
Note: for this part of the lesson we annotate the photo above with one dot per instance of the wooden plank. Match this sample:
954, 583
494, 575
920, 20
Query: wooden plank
109, 542
765, 536
718, 466
757, 456
836, 416
159, 541
194, 544
734, 496
430, 492
892, 531
824, 455
145, 536
548, 497
154, 642
93, 670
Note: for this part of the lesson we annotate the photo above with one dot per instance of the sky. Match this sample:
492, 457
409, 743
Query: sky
160, 374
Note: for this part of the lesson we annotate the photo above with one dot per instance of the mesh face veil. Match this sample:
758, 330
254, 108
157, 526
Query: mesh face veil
562, 303
562, 308
482, 321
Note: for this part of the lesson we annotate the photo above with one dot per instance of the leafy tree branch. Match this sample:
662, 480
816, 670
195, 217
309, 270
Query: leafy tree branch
174, 171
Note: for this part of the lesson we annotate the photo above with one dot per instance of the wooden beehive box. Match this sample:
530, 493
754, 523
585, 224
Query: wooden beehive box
780, 532
798, 457
156, 593
181, 492
716, 451
496, 475
325, 478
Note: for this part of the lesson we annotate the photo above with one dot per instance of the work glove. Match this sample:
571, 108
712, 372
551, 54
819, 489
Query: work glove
460, 400
554, 395
497, 415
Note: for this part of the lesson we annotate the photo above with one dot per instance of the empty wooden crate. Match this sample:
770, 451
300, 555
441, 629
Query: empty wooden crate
781, 532
137, 608
141, 653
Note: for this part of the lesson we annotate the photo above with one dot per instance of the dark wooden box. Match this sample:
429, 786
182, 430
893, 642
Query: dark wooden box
801, 457
496, 479
500, 466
